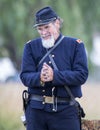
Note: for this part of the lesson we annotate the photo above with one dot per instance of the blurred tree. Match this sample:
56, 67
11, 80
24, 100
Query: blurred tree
15, 27
17, 20
90, 13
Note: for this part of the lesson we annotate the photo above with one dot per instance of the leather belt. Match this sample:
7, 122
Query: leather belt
48, 99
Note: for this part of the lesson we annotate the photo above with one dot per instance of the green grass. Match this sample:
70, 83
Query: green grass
11, 104
91, 100
11, 107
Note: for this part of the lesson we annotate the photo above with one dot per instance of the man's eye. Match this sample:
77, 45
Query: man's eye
39, 29
46, 27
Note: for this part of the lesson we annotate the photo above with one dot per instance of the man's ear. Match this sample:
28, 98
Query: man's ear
57, 23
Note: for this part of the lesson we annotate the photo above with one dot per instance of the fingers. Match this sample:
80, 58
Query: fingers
46, 66
46, 73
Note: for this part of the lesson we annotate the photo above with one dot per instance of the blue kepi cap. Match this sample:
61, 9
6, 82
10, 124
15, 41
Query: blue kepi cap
45, 16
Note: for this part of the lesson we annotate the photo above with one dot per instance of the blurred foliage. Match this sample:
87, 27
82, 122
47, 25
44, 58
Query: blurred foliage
12, 124
81, 20
11, 107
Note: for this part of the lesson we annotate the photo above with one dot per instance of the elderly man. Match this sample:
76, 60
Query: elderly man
49, 63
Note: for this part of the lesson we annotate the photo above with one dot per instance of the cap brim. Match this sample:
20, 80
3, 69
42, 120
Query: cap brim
44, 22
40, 24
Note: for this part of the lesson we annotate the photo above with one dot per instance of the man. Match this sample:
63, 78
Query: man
49, 103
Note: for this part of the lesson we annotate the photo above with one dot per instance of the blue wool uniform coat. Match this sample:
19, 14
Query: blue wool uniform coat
70, 58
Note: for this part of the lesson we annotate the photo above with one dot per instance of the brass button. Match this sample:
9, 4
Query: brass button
53, 55
43, 102
43, 90
49, 62
44, 96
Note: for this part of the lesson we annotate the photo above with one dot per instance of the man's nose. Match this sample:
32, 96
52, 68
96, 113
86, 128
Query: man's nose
44, 31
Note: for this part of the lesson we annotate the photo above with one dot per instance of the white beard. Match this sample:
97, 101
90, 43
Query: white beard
48, 43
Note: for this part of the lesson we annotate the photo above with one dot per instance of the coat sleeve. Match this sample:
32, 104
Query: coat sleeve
28, 75
79, 72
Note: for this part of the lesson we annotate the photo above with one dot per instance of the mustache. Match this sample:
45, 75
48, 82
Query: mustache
45, 36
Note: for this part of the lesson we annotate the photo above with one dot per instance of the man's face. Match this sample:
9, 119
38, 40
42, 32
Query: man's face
48, 30
49, 33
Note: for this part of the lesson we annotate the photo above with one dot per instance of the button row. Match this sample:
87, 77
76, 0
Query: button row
43, 89
52, 57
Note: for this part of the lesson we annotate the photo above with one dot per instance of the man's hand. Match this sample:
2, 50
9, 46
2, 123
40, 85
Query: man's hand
46, 73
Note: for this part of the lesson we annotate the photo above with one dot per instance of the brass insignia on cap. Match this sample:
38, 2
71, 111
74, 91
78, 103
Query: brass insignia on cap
79, 41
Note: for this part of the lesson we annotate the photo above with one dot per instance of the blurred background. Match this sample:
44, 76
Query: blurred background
81, 20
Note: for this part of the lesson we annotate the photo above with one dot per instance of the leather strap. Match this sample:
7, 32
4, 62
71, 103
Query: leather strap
50, 50
48, 99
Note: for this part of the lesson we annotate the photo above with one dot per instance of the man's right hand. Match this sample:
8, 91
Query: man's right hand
46, 73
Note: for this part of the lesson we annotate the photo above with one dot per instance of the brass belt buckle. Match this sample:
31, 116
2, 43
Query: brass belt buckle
47, 99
